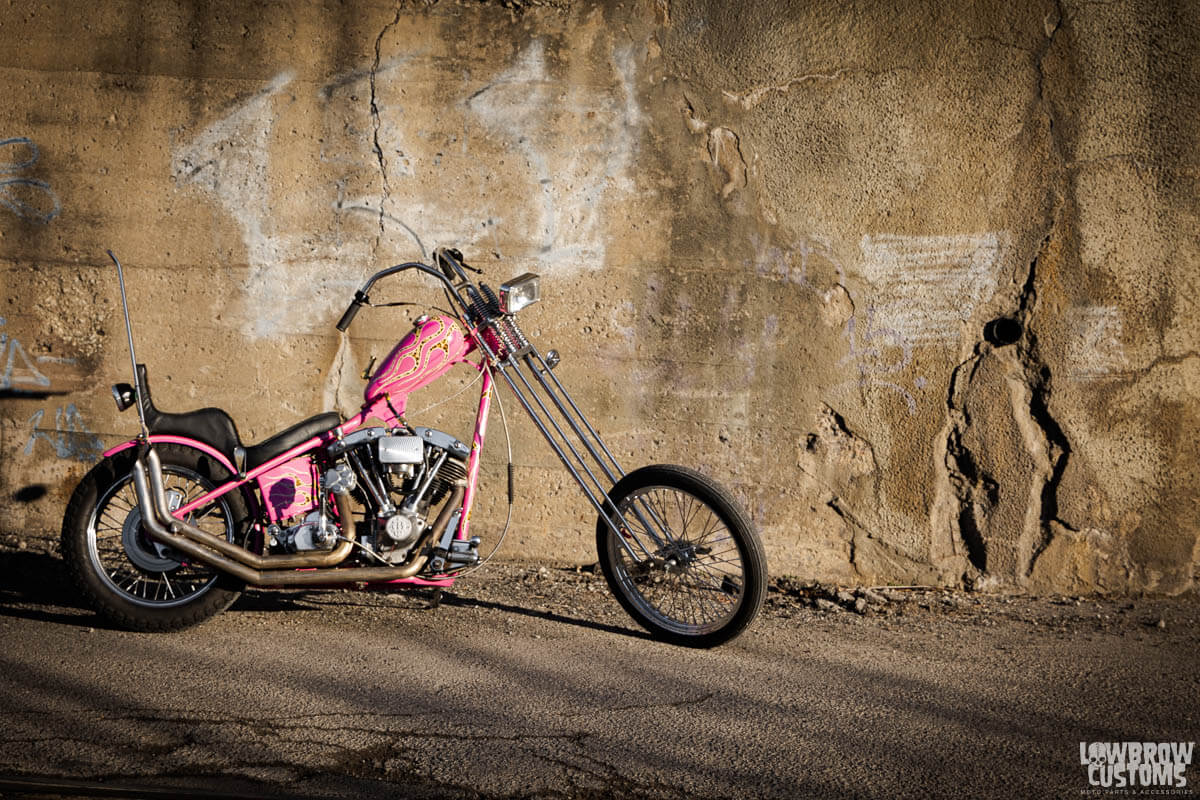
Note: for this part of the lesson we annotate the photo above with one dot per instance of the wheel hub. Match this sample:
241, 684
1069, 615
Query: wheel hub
143, 551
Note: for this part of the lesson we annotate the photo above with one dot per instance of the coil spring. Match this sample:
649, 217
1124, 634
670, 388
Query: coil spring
510, 332
482, 307
503, 334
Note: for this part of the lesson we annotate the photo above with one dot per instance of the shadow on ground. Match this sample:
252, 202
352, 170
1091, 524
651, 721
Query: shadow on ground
37, 586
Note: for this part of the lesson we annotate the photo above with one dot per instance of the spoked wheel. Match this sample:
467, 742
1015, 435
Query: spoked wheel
128, 576
688, 566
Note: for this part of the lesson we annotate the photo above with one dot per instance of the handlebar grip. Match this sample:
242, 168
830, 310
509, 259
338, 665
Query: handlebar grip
351, 311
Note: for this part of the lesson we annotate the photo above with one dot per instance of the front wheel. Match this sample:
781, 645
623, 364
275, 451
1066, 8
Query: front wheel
688, 564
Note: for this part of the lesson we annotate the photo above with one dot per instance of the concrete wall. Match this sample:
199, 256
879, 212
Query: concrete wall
918, 282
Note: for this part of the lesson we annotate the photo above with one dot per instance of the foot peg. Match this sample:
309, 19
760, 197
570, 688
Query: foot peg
462, 552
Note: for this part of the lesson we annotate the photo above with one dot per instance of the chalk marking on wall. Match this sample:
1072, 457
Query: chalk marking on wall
515, 103
927, 286
791, 264
875, 350
229, 159
18, 194
570, 187
289, 283
869, 348
18, 367
70, 437
1095, 350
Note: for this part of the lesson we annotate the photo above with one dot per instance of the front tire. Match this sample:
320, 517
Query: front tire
705, 578
128, 577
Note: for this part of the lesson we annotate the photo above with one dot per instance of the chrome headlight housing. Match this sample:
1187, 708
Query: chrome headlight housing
519, 292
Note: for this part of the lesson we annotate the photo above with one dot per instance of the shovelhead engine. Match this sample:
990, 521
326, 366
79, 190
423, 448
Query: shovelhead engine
398, 476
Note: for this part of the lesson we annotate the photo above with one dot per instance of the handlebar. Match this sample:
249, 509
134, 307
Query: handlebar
452, 275
451, 262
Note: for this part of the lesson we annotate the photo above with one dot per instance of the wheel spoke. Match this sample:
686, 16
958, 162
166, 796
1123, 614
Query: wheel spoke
127, 559
703, 589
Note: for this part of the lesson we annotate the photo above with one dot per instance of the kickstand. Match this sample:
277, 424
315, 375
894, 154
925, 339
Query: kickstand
435, 598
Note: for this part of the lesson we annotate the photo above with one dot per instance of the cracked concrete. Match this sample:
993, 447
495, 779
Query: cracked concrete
967, 238
385, 185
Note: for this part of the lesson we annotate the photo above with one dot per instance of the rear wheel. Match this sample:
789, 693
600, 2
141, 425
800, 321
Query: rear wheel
688, 565
129, 577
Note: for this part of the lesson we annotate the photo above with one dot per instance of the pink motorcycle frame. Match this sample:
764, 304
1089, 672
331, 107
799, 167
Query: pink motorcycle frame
503, 349
388, 409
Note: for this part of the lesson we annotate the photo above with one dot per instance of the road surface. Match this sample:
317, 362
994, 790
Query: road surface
528, 683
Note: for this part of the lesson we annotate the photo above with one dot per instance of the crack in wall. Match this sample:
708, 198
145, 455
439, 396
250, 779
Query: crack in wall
725, 151
1037, 371
977, 494
336, 391
752, 97
1057, 449
974, 493
375, 125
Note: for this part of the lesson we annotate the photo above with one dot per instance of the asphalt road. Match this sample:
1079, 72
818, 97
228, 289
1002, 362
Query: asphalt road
522, 684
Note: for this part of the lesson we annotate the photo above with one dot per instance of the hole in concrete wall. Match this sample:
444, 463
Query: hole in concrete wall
1002, 331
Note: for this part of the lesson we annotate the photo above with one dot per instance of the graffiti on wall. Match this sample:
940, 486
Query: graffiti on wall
70, 438
797, 262
453, 185
21, 377
923, 289
28, 198
920, 292
926, 287
880, 355
18, 370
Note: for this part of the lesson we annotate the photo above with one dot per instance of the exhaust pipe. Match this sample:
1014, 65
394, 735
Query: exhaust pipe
267, 570
323, 558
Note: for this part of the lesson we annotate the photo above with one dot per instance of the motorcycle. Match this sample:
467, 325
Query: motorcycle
170, 526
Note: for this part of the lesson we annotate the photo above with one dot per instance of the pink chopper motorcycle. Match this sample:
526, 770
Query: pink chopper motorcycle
169, 527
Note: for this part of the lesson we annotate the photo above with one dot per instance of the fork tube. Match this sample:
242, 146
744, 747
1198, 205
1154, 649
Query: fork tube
649, 528
545, 370
570, 419
559, 431
485, 404
610, 518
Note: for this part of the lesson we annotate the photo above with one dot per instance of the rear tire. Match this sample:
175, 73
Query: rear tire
127, 576
705, 582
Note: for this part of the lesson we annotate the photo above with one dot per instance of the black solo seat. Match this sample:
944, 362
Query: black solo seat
216, 428
283, 441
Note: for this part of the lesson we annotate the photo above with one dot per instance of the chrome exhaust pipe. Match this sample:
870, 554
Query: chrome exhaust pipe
324, 558
275, 570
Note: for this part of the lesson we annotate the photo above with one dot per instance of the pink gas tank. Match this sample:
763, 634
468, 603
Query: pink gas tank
424, 355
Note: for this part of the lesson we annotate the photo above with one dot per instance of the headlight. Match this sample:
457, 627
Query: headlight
520, 292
